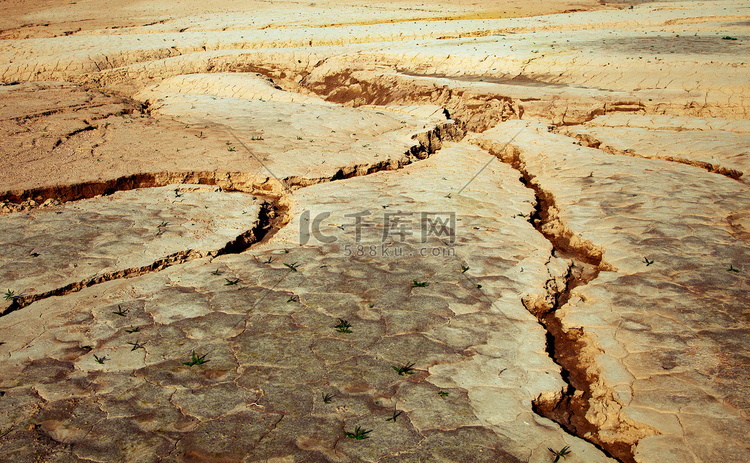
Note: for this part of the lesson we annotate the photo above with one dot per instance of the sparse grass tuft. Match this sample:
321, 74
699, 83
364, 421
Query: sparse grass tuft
100, 360
464, 268
327, 397
396, 414
442, 394
359, 433
730, 269
9, 294
136, 345
231, 282
121, 312
133, 330
560, 453
196, 359
343, 326
160, 229
420, 284
647, 262
404, 369
293, 266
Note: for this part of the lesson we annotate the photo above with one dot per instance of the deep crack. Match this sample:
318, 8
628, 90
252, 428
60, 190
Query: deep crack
572, 349
265, 224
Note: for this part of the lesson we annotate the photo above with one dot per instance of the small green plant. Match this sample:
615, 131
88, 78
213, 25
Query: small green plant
420, 284
327, 397
359, 433
258, 138
9, 294
196, 359
343, 326
201, 134
732, 269
133, 330
560, 453
478, 286
464, 268
160, 228
269, 260
443, 394
121, 312
396, 414
231, 282
231, 148
293, 266
294, 298
727, 37
299, 138
100, 360
136, 345
407, 369
647, 262
216, 272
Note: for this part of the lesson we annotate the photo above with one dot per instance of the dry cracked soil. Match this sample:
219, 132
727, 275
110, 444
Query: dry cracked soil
282, 231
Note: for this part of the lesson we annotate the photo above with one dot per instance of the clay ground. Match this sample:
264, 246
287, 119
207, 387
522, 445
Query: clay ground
389, 232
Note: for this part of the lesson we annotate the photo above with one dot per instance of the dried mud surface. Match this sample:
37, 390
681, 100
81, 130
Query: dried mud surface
387, 232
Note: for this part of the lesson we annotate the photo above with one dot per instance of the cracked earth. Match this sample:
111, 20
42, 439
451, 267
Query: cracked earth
392, 232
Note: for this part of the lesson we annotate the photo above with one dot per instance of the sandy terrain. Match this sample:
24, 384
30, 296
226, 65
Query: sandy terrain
390, 232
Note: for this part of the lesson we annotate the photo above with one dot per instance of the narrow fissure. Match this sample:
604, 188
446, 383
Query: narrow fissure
591, 142
272, 216
427, 143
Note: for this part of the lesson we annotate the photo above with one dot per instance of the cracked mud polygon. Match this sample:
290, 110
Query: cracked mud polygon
390, 232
